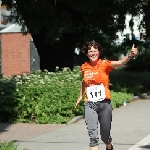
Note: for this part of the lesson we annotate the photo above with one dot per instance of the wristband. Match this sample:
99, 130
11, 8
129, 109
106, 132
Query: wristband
130, 56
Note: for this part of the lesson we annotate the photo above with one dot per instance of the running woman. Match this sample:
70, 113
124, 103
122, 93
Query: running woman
95, 87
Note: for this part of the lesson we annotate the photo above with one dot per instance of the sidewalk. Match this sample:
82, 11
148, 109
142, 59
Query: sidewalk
130, 131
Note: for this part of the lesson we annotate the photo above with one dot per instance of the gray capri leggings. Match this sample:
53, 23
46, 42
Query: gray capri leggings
102, 112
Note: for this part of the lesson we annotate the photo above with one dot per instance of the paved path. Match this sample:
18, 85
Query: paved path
130, 131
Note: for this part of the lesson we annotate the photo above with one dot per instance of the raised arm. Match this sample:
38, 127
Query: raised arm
124, 60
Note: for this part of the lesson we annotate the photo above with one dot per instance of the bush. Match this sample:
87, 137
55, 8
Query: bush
130, 82
8, 146
42, 97
118, 98
48, 97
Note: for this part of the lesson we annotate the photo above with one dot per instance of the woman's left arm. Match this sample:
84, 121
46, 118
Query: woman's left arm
124, 60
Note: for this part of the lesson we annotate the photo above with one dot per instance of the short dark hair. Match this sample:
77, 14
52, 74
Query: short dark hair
88, 46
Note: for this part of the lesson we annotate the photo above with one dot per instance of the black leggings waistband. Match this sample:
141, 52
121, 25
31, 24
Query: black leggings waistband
103, 101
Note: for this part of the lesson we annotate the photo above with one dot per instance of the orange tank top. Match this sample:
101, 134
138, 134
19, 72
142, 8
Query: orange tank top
95, 75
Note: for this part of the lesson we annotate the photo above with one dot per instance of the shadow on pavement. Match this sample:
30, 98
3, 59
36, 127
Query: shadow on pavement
145, 147
3, 127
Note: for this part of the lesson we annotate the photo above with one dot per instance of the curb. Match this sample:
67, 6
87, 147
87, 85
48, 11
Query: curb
75, 119
142, 144
145, 96
135, 98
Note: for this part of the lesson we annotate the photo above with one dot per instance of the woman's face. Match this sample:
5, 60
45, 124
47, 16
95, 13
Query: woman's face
93, 54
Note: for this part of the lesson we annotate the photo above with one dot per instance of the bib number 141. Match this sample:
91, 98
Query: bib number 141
96, 93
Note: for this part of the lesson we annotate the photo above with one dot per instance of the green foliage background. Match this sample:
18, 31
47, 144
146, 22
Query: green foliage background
48, 97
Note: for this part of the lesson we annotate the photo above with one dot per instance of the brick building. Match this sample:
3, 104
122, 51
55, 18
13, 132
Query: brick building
17, 52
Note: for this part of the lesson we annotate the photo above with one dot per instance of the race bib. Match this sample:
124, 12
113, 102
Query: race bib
96, 93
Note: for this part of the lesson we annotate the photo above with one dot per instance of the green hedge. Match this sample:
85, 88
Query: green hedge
45, 97
130, 82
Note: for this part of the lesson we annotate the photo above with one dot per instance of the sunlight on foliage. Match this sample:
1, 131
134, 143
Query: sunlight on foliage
48, 97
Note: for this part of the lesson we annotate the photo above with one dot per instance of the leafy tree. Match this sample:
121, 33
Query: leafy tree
58, 25
142, 62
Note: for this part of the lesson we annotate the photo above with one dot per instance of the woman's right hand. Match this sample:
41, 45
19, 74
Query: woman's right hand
78, 101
